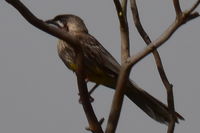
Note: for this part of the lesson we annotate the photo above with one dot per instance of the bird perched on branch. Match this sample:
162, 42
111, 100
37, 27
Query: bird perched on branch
102, 68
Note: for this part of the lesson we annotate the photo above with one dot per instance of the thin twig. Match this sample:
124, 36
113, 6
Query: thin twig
194, 6
123, 30
119, 12
137, 22
93, 88
177, 7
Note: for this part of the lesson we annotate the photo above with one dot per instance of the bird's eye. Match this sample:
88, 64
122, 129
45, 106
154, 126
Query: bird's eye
60, 24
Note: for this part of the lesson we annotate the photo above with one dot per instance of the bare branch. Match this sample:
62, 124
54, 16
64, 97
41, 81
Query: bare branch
124, 31
170, 101
159, 65
124, 7
177, 7
117, 100
125, 53
194, 7
137, 22
125, 50
93, 88
124, 72
119, 12
162, 38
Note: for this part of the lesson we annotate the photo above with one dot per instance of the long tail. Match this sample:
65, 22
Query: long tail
150, 105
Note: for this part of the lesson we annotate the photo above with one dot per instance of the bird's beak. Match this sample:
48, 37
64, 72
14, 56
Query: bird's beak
57, 23
52, 22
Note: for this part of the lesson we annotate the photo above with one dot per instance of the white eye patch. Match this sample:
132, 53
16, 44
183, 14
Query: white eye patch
60, 23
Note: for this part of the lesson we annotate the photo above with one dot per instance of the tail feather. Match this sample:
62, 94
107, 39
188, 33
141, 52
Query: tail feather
150, 105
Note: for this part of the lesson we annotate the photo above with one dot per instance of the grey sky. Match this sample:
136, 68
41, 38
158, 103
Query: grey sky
38, 94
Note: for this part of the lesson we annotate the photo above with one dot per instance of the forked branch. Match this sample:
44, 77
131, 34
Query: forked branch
185, 17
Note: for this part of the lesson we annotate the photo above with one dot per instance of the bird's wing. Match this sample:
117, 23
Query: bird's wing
97, 56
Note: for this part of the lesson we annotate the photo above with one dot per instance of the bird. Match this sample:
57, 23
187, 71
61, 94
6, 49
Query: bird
102, 68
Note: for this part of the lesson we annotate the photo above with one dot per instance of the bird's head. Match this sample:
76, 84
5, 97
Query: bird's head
69, 23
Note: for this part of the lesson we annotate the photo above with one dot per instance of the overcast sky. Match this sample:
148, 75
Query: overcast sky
38, 94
